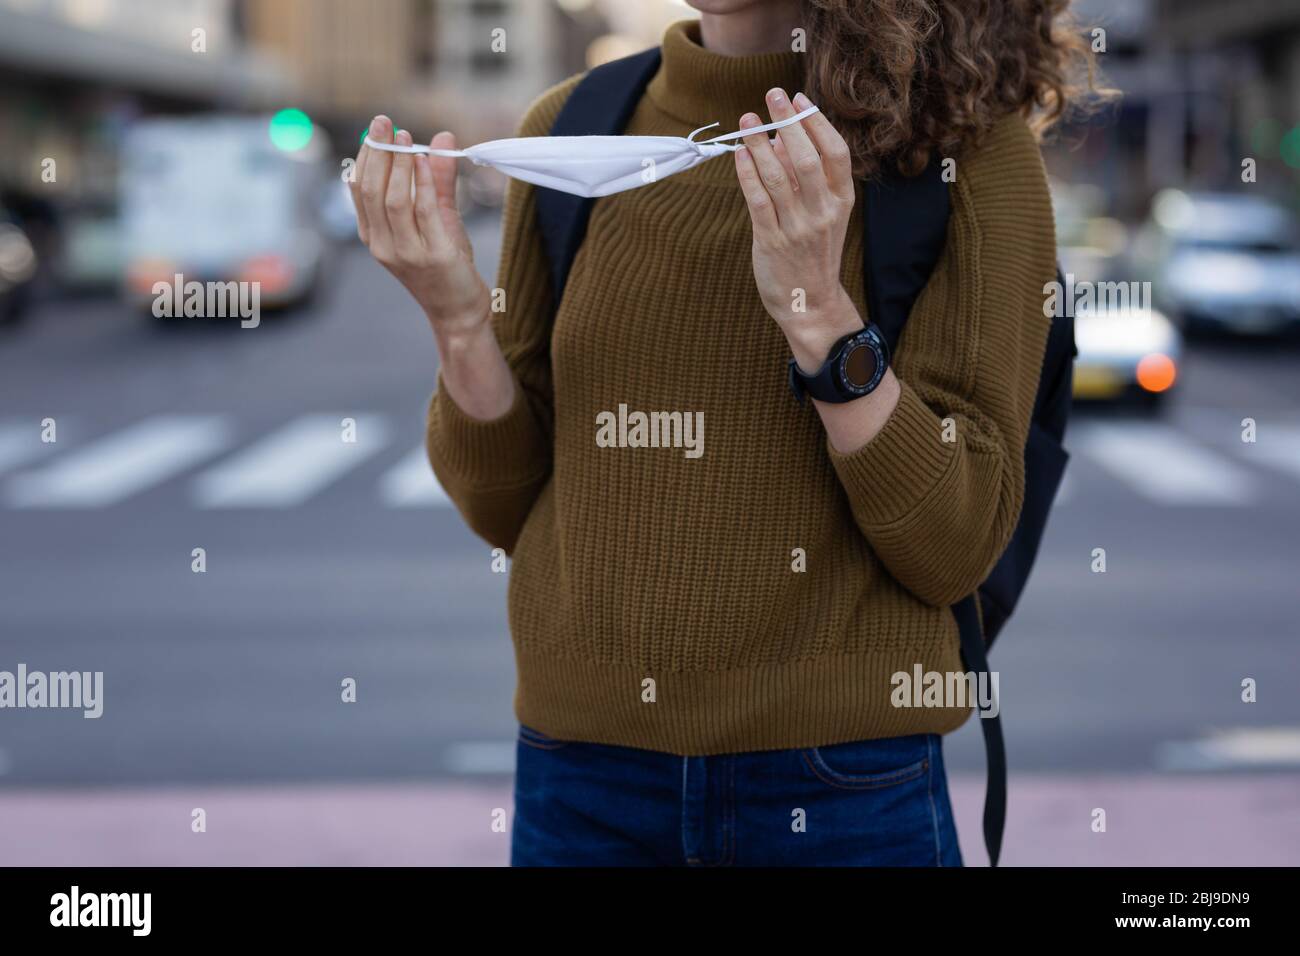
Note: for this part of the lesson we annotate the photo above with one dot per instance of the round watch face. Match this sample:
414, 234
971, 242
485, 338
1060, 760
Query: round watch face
860, 366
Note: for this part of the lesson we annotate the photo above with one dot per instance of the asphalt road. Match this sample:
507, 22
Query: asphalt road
325, 563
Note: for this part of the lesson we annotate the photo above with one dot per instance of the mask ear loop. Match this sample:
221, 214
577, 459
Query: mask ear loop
716, 141
428, 150
765, 128
691, 138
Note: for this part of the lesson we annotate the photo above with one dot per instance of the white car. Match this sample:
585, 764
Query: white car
215, 200
1125, 353
1128, 348
1225, 262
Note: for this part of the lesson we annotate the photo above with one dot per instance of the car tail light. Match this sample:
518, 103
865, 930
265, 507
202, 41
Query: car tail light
143, 274
1156, 372
17, 257
272, 272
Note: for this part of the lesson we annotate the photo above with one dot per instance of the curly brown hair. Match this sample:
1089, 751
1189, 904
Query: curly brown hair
904, 79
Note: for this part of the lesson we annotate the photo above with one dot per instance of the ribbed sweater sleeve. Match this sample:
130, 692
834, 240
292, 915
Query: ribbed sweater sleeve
938, 491
494, 470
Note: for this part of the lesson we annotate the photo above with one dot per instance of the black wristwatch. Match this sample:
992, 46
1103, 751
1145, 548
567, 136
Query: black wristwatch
854, 368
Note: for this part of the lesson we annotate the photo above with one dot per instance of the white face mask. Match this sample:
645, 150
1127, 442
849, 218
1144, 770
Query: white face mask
595, 165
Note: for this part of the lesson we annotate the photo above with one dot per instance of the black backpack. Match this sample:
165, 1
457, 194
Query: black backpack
906, 220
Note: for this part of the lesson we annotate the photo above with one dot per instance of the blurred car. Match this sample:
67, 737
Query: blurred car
338, 213
1125, 354
215, 199
90, 257
17, 269
1128, 349
1224, 261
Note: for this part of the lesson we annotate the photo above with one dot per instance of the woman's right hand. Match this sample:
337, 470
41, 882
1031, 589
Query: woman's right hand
420, 239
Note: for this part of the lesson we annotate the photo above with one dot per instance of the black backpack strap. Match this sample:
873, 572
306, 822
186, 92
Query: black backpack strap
906, 227
975, 657
600, 105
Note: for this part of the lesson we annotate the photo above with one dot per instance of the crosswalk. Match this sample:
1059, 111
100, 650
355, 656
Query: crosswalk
221, 466
410, 484
1237, 748
290, 465
121, 464
1163, 465
284, 468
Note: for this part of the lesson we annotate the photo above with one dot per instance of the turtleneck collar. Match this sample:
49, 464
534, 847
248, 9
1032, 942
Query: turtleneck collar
698, 86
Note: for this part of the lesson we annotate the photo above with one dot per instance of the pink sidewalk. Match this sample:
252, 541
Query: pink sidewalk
1151, 820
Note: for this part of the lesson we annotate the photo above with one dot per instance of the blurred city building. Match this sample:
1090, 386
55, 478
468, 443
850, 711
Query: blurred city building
75, 75
469, 65
73, 72
1205, 84
1236, 71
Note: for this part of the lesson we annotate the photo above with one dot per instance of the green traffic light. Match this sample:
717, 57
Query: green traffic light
1290, 147
291, 130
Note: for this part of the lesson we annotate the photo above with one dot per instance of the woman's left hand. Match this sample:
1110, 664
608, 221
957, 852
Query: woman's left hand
800, 197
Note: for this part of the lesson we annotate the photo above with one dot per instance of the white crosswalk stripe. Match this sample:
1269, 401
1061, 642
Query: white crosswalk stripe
1276, 446
1163, 465
121, 464
411, 484
290, 465
1238, 748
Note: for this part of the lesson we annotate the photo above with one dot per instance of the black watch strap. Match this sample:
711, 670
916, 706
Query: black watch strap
854, 367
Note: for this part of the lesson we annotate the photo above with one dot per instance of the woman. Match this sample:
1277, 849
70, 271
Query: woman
706, 643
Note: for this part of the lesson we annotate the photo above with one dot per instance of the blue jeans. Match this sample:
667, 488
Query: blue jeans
868, 803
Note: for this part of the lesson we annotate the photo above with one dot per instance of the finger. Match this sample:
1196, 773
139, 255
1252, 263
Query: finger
804, 158
775, 179
444, 169
354, 187
836, 158
374, 183
427, 219
398, 202
762, 213
778, 147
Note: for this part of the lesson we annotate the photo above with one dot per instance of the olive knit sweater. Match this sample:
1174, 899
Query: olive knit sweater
760, 595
